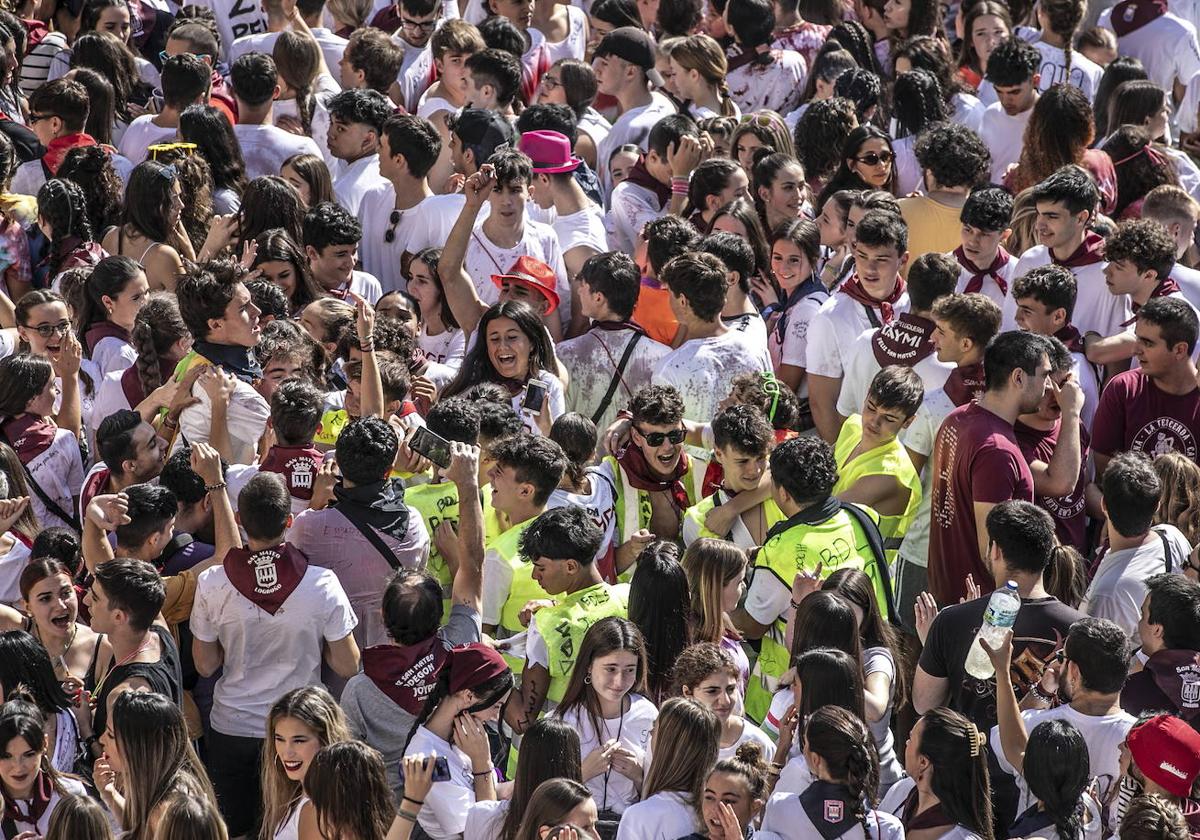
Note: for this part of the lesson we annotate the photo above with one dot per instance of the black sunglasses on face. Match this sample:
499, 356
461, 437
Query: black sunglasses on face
657, 438
876, 158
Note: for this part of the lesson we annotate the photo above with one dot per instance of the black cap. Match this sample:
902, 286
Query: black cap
634, 45
484, 130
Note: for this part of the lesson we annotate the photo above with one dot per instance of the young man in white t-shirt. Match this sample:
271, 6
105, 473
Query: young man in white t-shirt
267, 619
185, 81
1163, 41
418, 20
331, 237
1012, 70
713, 353
739, 312
264, 147
872, 297
356, 119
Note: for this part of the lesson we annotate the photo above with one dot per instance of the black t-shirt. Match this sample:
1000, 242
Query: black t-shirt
164, 677
1038, 634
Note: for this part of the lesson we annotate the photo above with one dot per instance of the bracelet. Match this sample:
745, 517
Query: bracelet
486, 772
417, 802
366, 348
679, 179
213, 487
1036, 691
169, 423
795, 605
404, 815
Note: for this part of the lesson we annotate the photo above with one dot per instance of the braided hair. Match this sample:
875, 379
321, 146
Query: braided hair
845, 744
158, 328
916, 102
298, 59
1062, 18
64, 207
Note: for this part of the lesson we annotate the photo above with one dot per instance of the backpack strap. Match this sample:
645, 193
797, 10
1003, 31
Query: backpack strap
372, 536
617, 377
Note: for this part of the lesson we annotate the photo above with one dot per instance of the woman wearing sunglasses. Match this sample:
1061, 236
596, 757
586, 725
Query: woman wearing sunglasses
867, 164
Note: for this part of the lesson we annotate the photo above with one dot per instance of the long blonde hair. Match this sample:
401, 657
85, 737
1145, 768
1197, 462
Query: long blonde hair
710, 566
704, 55
315, 708
1179, 504
687, 739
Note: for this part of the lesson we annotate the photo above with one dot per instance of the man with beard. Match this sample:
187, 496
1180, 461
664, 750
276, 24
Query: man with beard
977, 463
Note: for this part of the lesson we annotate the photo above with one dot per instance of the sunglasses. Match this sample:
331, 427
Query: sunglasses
657, 438
876, 158
770, 387
389, 235
761, 120
51, 330
186, 149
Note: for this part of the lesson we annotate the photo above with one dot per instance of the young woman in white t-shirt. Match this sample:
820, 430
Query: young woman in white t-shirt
716, 574
707, 674
589, 487
440, 337
699, 67
604, 701
115, 292
845, 770
549, 750
30, 785
795, 250
685, 742
1057, 771
299, 724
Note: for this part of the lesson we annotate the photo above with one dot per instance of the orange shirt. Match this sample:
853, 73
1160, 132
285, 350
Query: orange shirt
653, 313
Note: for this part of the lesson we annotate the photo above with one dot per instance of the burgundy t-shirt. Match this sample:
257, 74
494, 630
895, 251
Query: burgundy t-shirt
975, 459
1070, 518
1135, 414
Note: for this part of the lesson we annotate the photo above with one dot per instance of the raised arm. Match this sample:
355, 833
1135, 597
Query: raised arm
456, 284
468, 577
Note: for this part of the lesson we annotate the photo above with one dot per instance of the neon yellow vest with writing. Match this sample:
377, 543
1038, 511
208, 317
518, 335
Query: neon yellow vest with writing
633, 505
836, 543
888, 459
437, 503
563, 626
493, 522
693, 527
523, 589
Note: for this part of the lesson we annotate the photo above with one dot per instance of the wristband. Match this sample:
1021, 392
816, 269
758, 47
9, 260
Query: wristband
417, 802
486, 772
1036, 691
213, 487
404, 815
676, 180
795, 605
769, 310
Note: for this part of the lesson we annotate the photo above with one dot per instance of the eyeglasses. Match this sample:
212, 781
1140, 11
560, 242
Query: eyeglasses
186, 149
876, 158
51, 330
389, 235
657, 438
550, 83
770, 386
36, 118
418, 26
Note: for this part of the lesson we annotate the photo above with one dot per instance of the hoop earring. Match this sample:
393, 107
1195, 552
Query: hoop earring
587, 679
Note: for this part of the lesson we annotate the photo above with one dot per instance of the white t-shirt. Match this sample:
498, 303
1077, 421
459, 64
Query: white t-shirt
1096, 308
425, 225
832, 332
554, 395
11, 565
575, 44
1103, 735
600, 504
785, 815
617, 792
416, 72
1119, 585
59, 472
444, 814
581, 229
31, 175
485, 819
596, 127
750, 732
908, 171
485, 258
113, 355
591, 360
701, 369
788, 343
633, 126
1085, 73
263, 42
776, 86
668, 815
265, 148
919, 437
861, 367
246, 418
141, 134
1166, 46
1004, 136
968, 111
235, 19
266, 655
631, 207
446, 348
357, 179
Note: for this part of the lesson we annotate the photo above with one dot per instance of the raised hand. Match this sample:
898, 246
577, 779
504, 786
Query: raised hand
108, 511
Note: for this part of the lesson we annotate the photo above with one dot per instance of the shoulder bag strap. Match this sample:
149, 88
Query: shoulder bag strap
372, 536
616, 380
875, 541
50, 504
1168, 551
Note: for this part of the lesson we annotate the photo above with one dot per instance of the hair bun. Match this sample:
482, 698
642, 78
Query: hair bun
750, 752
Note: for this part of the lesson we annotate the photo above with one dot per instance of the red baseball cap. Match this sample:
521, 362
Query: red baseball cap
534, 274
1167, 751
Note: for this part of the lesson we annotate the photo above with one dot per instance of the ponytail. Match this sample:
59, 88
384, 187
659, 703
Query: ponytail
1065, 578
441, 690
728, 107
842, 739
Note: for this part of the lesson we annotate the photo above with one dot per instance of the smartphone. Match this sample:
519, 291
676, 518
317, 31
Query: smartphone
535, 396
441, 769
433, 446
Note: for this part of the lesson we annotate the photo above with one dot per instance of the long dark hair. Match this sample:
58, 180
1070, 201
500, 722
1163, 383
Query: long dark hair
490, 690
847, 179
158, 328
958, 752
432, 257
1056, 771
687, 741
477, 366
658, 605
549, 750
25, 663
148, 200
744, 211
108, 279
916, 102
277, 245
549, 806
63, 205
270, 202
108, 56
845, 744
1059, 131
829, 677
101, 105
855, 586
967, 55
22, 377
91, 168
208, 128
21, 718
347, 784
608, 635
1122, 69
1134, 102
1139, 165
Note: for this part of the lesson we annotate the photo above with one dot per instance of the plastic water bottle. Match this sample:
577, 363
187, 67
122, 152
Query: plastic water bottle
1000, 615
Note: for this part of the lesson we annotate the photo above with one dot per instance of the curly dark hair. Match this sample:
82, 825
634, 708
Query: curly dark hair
862, 87
805, 468
954, 154
658, 405
1013, 62
1140, 166
1059, 132
91, 168
917, 102
820, 135
196, 191
1143, 243
988, 207
63, 205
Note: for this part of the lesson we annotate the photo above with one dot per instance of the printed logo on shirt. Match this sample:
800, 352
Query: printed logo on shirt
1163, 435
1063, 507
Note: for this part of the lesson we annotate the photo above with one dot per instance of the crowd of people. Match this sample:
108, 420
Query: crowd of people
529, 420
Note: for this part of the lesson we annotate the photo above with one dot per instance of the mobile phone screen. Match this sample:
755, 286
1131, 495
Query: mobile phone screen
432, 446
535, 397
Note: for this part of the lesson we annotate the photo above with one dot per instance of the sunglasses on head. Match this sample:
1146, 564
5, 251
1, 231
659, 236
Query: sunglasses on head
186, 149
657, 438
770, 386
876, 158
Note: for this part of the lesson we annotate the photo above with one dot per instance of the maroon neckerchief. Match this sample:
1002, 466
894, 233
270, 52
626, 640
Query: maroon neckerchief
978, 275
1165, 287
748, 57
906, 341
43, 789
266, 577
1070, 336
101, 330
640, 478
1132, 15
932, 817
641, 176
964, 383
406, 674
1089, 252
92, 487
297, 464
131, 386
854, 288
30, 436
